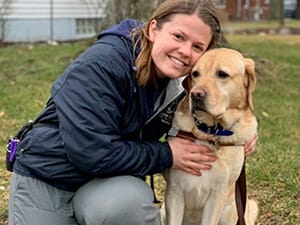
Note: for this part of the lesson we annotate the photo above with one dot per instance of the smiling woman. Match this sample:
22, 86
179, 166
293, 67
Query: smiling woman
203, 9
178, 44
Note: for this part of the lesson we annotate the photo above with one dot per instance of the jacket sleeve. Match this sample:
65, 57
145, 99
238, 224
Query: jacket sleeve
90, 103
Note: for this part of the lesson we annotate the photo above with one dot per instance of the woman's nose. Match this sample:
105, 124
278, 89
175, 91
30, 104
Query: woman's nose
186, 50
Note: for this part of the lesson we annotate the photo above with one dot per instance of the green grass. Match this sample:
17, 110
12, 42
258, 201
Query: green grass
27, 72
237, 25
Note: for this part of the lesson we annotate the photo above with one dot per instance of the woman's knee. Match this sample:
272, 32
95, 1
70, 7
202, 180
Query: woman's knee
117, 200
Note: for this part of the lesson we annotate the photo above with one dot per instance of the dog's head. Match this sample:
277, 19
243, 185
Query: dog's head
222, 79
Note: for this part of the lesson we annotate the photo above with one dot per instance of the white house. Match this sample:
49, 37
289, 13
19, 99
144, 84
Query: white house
44, 20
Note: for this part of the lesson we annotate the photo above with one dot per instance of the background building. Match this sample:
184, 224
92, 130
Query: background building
244, 9
66, 20
49, 20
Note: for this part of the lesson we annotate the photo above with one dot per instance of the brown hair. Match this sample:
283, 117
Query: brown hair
206, 11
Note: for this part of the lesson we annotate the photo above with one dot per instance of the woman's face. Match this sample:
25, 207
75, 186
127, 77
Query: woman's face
178, 44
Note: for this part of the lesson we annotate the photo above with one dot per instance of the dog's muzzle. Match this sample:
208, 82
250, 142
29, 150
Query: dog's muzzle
198, 96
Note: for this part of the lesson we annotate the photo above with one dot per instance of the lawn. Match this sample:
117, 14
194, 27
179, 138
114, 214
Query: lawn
27, 72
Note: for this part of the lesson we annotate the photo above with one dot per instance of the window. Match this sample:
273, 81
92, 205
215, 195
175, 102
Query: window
87, 26
220, 3
246, 4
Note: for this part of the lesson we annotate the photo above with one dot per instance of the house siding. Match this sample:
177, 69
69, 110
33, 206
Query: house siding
32, 30
29, 20
22, 9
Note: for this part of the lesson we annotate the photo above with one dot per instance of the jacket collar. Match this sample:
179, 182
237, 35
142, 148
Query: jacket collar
174, 91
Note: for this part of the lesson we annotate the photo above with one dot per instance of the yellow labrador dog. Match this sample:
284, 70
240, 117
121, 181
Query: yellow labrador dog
217, 111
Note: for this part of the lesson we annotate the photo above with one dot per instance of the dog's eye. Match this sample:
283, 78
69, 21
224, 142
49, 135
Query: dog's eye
195, 73
221, 74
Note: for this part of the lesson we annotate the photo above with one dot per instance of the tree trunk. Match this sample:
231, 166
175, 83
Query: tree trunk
274, 10
281, 13
5, 10
118, 10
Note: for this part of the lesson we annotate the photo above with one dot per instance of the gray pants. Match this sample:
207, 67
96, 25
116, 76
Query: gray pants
122, 200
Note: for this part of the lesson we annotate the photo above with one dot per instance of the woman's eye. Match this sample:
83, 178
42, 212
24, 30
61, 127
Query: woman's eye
178, 36
198, 48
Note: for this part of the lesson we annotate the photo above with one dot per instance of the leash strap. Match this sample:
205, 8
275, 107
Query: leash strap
153, 189
241, 196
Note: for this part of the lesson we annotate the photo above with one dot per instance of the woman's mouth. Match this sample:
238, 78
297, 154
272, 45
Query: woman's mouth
177, 61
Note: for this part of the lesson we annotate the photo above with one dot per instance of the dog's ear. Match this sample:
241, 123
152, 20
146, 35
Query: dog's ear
250, 80
187, 83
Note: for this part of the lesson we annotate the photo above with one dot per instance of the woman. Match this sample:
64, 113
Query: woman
83, 160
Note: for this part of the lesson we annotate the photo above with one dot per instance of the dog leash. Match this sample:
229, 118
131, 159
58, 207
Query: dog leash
241, 196
156, 201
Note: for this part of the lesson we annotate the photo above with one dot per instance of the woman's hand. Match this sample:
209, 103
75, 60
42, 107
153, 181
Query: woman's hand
250, 145
191, 157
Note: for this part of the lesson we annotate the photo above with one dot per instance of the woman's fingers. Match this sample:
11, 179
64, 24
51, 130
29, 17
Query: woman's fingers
191, 157
250, 145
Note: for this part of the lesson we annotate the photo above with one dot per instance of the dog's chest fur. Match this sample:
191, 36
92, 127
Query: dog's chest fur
196, 189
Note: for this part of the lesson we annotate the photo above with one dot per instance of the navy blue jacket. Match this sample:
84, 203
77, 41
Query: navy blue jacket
98, 122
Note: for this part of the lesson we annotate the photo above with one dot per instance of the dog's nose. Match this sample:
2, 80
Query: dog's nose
198, 92
198, 97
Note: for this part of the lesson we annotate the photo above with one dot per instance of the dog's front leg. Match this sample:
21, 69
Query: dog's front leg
214, 208
174, 204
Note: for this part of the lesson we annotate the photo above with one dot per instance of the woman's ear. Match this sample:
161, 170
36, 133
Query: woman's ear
152, 30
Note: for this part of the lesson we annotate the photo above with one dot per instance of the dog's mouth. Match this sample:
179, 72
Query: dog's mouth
199, 108
198, 103
200, 113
